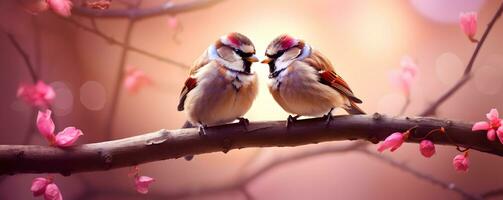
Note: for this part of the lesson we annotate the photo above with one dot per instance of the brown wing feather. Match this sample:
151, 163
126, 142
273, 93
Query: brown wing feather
328, 76
191, 82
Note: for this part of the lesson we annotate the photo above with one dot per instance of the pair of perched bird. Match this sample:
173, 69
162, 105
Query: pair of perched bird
221, 87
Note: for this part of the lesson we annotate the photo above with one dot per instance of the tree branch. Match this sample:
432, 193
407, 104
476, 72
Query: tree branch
167, 8
467, 73
164, 144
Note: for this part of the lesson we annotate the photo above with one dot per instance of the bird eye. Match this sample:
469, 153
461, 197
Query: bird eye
243, 54
278, 54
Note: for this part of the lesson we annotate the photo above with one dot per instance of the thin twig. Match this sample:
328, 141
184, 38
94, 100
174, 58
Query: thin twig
245, 180
31, 127
405, 168
26, 59
118, 83
168, 8
405, 105
467, 73
246, 194
37, 40
492, 193
113, 41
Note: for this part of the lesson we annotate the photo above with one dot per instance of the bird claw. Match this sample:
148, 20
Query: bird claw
291, 120
328, 117
244, 122
202, 130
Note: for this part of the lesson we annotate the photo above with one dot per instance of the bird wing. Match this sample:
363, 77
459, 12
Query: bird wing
328, 76
191, 82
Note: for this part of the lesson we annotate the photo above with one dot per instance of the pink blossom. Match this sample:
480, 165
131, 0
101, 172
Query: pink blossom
45, 125
135, 80
67, 137
39, 185
172, 22
461, 162
393, 141
34, 6
468, 23
61, 7
52, 192
403, 77
47, 187
427, 148
142, 183
493, 126
39, 95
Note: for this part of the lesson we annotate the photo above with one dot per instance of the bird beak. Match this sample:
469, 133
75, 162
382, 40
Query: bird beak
252, 59
266, 61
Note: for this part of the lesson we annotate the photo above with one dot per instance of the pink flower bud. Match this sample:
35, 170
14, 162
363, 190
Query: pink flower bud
38, 186
52, 192
67, 137
172, 22
142, 183
461, 162
427, 148
392, 142
468, 23
39, 95
61, 7
135, 79
403, 77
45, 125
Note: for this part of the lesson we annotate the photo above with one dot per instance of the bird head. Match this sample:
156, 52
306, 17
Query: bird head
283, 50
235, 51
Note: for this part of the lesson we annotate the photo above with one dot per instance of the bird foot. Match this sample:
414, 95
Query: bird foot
291, 120
202, 130
328, 118
244, 122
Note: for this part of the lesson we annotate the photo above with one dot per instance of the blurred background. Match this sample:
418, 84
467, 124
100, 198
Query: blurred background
365, 40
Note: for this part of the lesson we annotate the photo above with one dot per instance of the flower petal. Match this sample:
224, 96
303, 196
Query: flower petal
61, 7
491, 135
142, 183
392, 142
500, 134
493, 115
135, 79
481, 126
52, 192
45, 124
67, 137
38, 186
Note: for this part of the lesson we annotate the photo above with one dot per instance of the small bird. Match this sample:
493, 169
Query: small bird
220, 87
303, 81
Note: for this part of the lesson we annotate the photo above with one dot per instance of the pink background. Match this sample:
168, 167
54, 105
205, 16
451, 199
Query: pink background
364, 40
